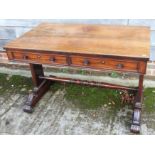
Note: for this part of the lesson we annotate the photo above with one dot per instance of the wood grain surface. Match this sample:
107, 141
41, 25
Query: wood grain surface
129, 41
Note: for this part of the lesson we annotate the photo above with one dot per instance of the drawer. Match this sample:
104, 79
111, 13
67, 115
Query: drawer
104, 63
79, 61
28, 57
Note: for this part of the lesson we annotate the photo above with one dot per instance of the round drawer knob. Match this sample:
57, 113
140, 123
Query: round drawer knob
25, 57
39, 56
120, 66
102, 62
52, 59
86, 62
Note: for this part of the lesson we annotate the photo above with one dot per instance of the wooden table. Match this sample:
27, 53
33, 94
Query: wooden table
101, 47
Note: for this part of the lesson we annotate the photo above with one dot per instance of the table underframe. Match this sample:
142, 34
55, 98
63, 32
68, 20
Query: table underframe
42, 84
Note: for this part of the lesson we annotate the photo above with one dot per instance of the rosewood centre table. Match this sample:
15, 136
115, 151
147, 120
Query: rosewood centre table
101, 47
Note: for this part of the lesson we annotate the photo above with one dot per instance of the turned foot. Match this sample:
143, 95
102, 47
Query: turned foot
35, 96
135, 127
28, 109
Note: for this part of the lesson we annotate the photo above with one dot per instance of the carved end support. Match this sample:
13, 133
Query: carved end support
135, 127
28, 107
35, 96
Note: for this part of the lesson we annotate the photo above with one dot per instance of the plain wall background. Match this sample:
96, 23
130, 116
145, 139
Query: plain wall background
12, 28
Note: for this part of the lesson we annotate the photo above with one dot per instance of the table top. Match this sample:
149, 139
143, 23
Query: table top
128, 41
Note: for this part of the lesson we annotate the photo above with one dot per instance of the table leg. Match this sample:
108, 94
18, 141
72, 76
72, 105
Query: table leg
41, 87
135, 127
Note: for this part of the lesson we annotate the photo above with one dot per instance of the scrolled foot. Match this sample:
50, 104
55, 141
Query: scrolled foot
28, 109
28, 105
136, 116
35, 96
135, 128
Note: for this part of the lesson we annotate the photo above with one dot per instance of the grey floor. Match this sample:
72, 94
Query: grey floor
56, 116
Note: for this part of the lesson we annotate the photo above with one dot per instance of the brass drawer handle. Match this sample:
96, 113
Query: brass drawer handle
52, 59
86, 62
25, 57
120, 66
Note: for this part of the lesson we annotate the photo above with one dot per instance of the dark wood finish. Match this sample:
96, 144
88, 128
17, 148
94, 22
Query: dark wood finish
90, 83
82, 60
39, 58
36, 71
105, 63
135, 127
101, 47
41, 87
36, 95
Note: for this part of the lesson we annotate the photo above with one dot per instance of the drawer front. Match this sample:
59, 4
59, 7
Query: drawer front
79, 61
54, 59
104, 63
